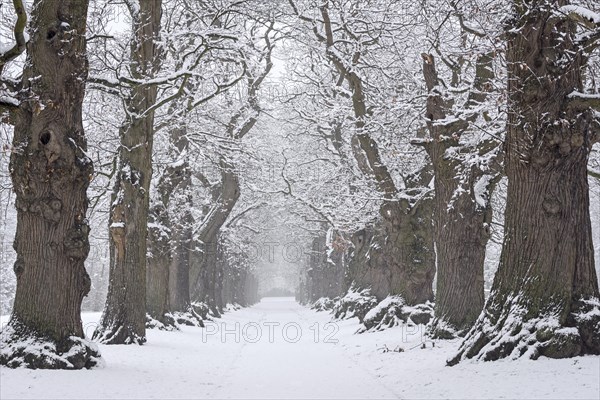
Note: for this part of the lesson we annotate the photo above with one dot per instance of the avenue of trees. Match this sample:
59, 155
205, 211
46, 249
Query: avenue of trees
150, 148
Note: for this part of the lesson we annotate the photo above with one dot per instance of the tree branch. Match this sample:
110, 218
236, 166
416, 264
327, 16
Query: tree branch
584, 101
19, 32
242, 213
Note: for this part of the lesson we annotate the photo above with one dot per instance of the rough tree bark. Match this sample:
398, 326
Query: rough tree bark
315, 273
544, 299
159, 259
396, 256
179, 269
124, 317
50, 173
170, 240
462, 211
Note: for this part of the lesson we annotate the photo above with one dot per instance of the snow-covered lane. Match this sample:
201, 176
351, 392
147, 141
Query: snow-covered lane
272, 350
295, 355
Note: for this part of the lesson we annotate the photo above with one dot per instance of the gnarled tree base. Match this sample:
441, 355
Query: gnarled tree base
323, 304
393, 311
202, 310
356, 303
171, 321
441, 329
166, 323
514, 336
117, 334
19, 348
189, 318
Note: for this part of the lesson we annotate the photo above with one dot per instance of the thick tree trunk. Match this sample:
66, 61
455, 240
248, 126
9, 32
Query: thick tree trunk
179, 276
203, 275
325, 275
180, 306
171, 238
396, 256
461, 235
166, 249
206, 275
240, 286
124, 318
50, 174
544, 300
462, 211
250, 289
157, 273
315, 283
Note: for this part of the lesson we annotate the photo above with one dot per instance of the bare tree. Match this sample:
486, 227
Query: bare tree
403, 260
124, 317
206, 282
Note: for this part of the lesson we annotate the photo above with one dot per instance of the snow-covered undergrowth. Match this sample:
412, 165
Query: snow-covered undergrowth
325, 361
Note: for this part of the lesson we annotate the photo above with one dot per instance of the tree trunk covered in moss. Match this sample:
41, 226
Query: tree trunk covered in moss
462, 212
544, 299
50, 174
124, 317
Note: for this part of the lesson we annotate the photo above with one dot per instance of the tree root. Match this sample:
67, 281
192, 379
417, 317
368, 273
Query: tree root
117, 334
393, 311
515, 336
441, 329
356, 303
166, 323
188, 318
20, 348
324, 304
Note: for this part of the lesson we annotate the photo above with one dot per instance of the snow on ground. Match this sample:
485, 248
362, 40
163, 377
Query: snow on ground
288, 359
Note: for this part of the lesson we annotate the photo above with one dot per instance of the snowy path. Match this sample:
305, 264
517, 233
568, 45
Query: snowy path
214, 363
279, 366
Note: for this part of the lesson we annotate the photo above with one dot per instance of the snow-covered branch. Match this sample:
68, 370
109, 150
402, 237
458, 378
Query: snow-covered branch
584, 101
